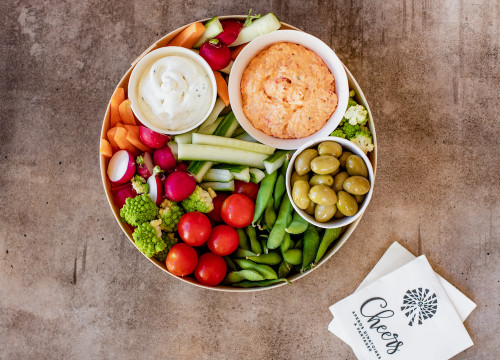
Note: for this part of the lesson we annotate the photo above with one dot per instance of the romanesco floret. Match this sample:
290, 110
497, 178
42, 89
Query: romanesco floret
356, 115
352, 93
148, 238
363, 140
200, 200
170, 240
170, 214
349, 130
139, 210
139, 184
338, 133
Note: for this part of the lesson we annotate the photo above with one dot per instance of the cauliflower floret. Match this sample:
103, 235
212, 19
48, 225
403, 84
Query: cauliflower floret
170, 240
363, 140
139, 210
356, 115
148, 240
139, 184
170, 214
200, 200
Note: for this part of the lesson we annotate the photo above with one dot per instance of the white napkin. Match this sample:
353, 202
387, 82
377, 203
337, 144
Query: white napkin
395, 257
405, 314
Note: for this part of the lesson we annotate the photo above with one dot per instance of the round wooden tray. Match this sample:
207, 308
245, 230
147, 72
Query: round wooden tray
128, 230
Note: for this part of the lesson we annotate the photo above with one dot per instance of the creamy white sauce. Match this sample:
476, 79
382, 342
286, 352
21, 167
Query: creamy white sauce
175, 93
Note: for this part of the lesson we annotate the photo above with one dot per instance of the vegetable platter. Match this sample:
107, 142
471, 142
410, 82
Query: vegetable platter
251, 266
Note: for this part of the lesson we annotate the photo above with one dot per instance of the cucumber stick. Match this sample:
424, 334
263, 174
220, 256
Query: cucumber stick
220, 175
274, 161
213, 28
221, 154
232, 143
218, 186
266, 24
246, 137
185, 138
218, 107
209, 129
239, 172
173, 147
256, 175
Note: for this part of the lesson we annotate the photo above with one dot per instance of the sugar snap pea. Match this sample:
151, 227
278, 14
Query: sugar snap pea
237, 276
329, 237
285, 245
298, 224
244, 243
279, 191
293, 256
310, 248
263, 243
270, 214
272, 258
255, 245
265, 192
242, 254
278, 231
229, 262
284, 269
265, 270
249, 284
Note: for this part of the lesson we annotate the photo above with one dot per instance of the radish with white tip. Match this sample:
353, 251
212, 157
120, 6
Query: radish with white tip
121, 167
155, 189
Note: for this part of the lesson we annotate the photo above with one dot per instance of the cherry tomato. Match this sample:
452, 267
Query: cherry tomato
181, 259
211, 269
223, 240
249, 189
217, 201
194, 228
237, 210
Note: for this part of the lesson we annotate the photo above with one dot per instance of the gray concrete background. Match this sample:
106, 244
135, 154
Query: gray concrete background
71, 284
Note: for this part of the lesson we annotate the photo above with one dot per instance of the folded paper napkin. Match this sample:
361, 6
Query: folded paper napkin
403, 310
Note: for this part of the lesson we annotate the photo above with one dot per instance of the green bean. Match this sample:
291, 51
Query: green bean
298, 224
244, 243
284, 269
255, 245
284, 167
229, 262
242, 254
293, 256
270, 214
249, 284
285, 245
265, 192
279, 191
311, 245
329, 237
299, 244
237, 276
278, 231
265, 270
263, 243
272, 258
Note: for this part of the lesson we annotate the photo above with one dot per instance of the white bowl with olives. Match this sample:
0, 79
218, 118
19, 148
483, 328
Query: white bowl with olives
329, 182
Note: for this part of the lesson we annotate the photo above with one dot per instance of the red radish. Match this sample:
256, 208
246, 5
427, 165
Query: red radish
216, 54
152, 138
115, 188
181, 166
155, 189
124, 194
145, 165
121, 167
164, 159
179, 185
230, 31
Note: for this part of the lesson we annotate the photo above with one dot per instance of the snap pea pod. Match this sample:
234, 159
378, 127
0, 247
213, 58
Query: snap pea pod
298, 224
286, 244
270, 214
229, 262
244, 243
329, 237
293, 256
263, 243
265, 192
279, 191
278, 231
284, 269
265, 270
242, 254
255, 245
272, 258
310, 248
249, 284
237, 276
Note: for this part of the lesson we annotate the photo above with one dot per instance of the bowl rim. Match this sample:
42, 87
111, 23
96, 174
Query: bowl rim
309, 41
146, 61
127, 230
337, 222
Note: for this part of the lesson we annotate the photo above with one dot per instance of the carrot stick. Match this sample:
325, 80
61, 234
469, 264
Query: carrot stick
111, 138
236, 50
187, 37
126, 113
123, 143
222, 89
105, 148
134, 139
116, 100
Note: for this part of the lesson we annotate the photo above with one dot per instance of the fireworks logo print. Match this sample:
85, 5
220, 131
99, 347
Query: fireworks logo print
419, 305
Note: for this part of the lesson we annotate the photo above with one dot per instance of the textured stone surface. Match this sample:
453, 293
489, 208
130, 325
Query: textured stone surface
71, 284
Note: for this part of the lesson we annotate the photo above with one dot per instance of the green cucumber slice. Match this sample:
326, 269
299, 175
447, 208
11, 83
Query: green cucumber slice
256, 175
213, 28
274, 161
219, 175
266, 24
218, 186
221, 154
203, 139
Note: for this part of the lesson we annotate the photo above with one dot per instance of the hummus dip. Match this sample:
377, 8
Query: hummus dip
288, 91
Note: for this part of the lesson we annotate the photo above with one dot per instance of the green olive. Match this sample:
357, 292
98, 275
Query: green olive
344, 157
359, 198
330, 148
310, 209
323, 195
338, 180
356, 166
338, 214
300, 194
303, 161
356, 185
323, 213
324, 164
346, 204
326, 180
296, 177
